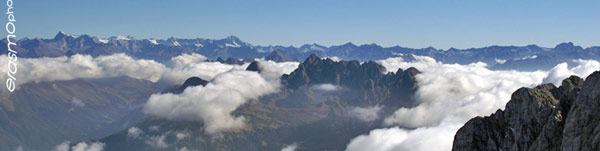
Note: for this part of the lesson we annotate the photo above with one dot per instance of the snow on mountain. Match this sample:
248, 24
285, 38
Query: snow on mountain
120, 37
153, 41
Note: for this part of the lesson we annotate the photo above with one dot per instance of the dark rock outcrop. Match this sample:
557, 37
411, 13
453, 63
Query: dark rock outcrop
542, 118
254, 66
370, 80
192, 81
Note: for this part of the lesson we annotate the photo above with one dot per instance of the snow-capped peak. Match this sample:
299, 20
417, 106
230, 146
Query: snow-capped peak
63, 34
153, 41
103, 40
119, 37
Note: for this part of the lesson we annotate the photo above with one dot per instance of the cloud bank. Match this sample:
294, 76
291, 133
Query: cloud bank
467, 90
172, 72
214, 102
84, 66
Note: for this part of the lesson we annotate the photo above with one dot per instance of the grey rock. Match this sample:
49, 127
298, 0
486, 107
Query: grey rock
543, 118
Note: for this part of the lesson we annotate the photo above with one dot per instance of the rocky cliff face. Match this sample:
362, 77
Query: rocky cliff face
370, 81
542, 118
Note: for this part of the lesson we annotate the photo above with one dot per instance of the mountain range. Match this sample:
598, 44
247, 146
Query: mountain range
319, 101
300, 113
530, 57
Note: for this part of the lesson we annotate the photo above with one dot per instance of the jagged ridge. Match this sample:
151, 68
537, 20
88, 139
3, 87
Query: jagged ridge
542, 118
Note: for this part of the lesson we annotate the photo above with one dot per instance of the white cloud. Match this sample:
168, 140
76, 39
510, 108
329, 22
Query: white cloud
291, 147
526, 58
279, 68
181, 135
177, 70
334, 58
214, 102
134, 132
378, 140
562, 71
500, 61
183, 60
81, 146
64, 146
183, 149
449, 95
325, 87
392, 64
272, 70
157, 141
187, 65
395, 138
83, 66
75, 102
366, 114
203, 70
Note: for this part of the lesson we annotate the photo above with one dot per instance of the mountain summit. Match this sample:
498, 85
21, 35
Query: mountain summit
542, 118
369, 78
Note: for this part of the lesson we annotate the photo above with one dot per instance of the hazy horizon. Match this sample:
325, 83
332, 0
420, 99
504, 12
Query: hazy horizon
297, 46
458, 24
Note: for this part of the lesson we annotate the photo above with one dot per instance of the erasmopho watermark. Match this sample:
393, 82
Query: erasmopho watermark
11, 39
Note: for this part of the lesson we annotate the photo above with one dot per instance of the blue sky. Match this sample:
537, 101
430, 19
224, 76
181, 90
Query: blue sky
417, 24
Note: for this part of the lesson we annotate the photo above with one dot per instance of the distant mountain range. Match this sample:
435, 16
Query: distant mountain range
529, 57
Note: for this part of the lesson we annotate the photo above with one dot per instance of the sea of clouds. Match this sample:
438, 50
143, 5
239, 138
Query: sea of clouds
450, 95
230, 85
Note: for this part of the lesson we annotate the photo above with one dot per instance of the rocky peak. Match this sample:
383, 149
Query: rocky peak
542, 118
230, 60
254, 66
279, 57
312, 59
65, 36
568, 46
233, 39
61, 35
349, 45
353, 74
190, 82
